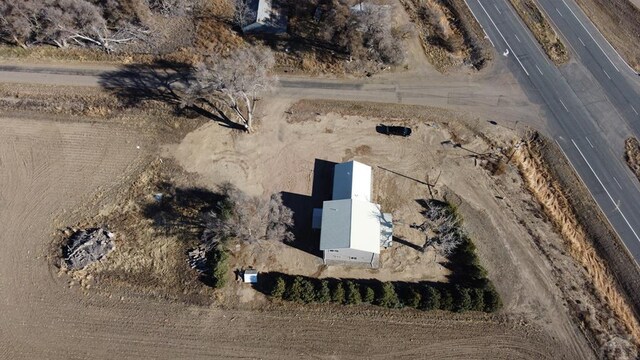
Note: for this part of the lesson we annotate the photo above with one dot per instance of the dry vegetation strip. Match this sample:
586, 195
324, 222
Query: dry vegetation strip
449, 33
542, 30
619, 21
556, 205
632, 155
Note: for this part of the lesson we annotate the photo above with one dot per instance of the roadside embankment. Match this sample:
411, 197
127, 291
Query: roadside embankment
590, 241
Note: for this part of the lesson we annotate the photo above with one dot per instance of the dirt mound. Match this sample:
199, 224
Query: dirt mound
87, 246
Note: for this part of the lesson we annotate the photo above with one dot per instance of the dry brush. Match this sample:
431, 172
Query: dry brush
556, 205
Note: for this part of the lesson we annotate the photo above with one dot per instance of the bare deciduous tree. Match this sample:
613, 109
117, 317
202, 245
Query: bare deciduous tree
242, 12
18, 20
444, 224
248, 218
61, 23
237, 79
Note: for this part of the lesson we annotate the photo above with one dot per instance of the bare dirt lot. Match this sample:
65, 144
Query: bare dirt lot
52, 168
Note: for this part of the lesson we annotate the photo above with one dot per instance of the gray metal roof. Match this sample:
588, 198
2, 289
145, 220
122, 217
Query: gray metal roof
350, 224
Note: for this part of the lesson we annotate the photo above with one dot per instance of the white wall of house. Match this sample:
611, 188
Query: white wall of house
347, 255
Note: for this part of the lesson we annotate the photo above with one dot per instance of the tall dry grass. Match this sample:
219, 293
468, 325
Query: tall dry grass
556, 205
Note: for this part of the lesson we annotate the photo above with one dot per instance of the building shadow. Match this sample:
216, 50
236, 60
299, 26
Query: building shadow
307, 239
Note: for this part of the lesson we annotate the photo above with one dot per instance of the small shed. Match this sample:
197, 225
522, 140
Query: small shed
250, 276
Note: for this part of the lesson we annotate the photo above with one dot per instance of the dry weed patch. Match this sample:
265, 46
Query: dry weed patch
555, 204
542, 30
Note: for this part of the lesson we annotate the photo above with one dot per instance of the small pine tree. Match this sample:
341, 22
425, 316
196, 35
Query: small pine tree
369, 296
307, 291
492, 301
461, 298
477, 299
446, 300
295, 290
413, 298
279, 287
324, 294
219, 261
338, 295
431, 299
387, 296
353, 293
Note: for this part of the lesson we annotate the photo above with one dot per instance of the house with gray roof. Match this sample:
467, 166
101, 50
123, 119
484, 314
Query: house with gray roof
352, 228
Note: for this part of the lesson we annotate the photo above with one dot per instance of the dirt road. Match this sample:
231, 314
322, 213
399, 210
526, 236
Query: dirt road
494, 93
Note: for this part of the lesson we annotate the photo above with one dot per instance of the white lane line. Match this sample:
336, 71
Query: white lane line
559, 12
582, 42
589, 141
591, 193
605, 72
517, 38
616, 180
495, 6
634, 110
606, 191
540, 71
486, 36
503, 38
563, 105
592, 38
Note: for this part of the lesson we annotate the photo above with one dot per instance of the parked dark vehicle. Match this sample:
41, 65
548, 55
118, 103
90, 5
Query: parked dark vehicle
393, 130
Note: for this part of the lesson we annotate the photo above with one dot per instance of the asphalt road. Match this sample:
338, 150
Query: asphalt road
591, 104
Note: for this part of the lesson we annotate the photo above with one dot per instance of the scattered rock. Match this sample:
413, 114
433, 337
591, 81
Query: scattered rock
87, 246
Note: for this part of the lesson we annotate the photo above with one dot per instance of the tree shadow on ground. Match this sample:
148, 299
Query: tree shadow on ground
180, 211
408, 244
307, 239
163, 81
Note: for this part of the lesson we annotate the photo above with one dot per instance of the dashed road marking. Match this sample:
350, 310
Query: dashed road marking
563, 105
581, 42
589, 141
559, 12
592, 38
616, 180
605, 72
503, 38
634, 110
607, 191
540, 71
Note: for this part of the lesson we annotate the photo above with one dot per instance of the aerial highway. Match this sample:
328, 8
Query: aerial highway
591, 103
